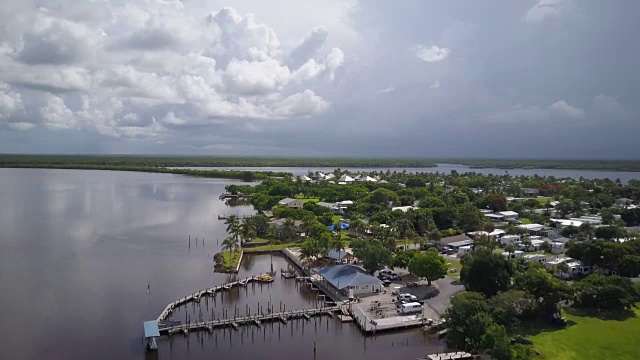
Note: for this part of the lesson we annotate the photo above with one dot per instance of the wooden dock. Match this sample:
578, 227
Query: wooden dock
195, 297
249, 320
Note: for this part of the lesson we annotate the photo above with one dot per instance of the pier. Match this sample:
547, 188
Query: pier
255, 320
195, 297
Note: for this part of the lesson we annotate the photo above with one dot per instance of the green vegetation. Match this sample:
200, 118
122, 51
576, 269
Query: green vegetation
10, 160
589, 338
455, 264
230, 259
273, 247
428, 265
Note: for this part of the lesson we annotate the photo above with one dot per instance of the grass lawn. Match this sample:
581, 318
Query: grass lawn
455, 264
230, 259
305, 199
273, 247
259, 240
525, 220
591, 338
543, 200
336, 219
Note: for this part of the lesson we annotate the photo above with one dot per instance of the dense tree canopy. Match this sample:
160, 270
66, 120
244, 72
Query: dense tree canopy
486, 272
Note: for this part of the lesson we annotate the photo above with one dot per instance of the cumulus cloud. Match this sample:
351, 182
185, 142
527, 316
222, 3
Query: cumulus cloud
545, 9
561, 107
432, 53
435, 85
119, 68
387, 90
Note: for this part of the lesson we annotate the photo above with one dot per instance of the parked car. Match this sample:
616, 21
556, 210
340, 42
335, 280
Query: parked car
386, 282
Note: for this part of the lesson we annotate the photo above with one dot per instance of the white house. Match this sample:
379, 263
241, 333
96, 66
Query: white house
292, 203
539, 258
404, 208
464, 249
509, 239
495, 217
509, 215
513, 255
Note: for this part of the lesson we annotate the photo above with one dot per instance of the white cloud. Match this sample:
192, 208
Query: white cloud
56, 115
544, 9
432, 53
132, 63
435, 85
563, 108
387, 90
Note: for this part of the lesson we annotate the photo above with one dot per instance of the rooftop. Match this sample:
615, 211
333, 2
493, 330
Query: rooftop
343, 276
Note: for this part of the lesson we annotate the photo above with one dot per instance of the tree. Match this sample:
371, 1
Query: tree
486, 272
233, 227
546, 247
506, 308
544, 288
337, 243
484, 241
510, 249
606, 293
526, 242
228, 244
470, 218
402, 258
247, 230
373, 255
289, 229
495, 202
428, 265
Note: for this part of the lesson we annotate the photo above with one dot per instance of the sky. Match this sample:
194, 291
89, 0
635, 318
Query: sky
353, 78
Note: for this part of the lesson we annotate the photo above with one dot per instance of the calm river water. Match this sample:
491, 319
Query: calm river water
78, 248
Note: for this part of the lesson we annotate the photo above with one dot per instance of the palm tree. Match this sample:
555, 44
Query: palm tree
229, 244
338, 244
307, 225
356, 224
233, 226
526, 242
247, 230
289, 229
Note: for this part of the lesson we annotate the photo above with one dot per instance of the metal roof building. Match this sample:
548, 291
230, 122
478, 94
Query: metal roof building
342, 277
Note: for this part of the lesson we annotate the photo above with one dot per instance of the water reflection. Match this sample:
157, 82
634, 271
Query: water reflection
78, 249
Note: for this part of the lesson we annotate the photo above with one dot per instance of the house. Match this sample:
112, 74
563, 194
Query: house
342, 277
278, 225
513, 255
624, 201
486, 211
404, 208
511, 199
575, 269
456, 239
464, 249
495, 217
341, 256
510, 239
509, 215
539, 258
368, 178
291, 203
536, 229
530, 191
346, 178
494, 234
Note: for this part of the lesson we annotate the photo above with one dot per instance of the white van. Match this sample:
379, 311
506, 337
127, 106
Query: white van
410, 308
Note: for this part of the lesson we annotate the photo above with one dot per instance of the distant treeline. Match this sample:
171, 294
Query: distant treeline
611, 165
215, 161
208, 161
221, 174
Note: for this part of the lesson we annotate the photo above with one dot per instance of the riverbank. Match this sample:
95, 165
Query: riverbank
247, 176
112, 162
227, 261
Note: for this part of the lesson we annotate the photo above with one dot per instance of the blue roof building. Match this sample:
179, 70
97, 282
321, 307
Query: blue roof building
345, 277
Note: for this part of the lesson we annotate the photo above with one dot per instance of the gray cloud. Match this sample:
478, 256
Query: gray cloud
195, 77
